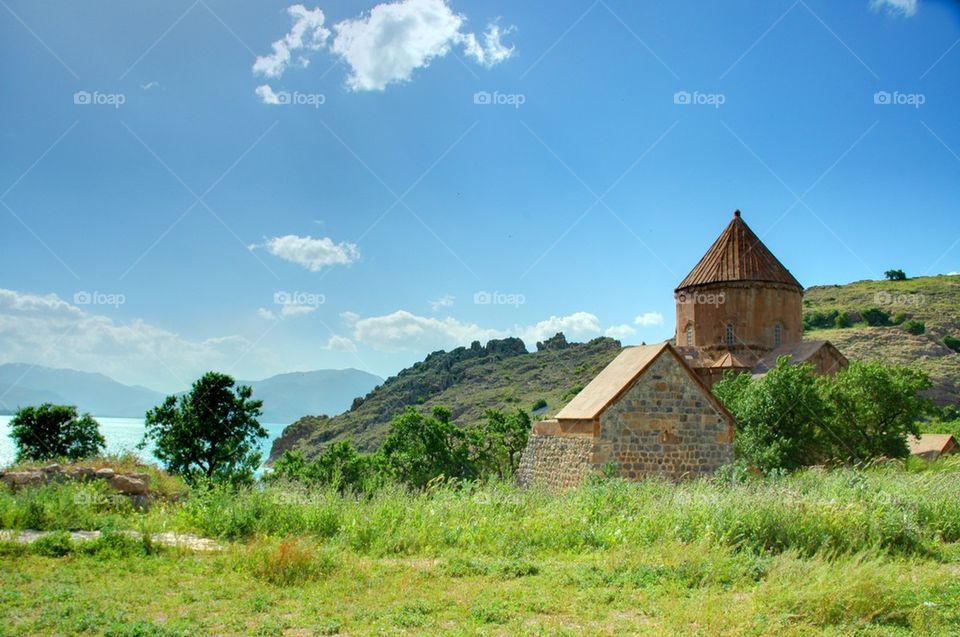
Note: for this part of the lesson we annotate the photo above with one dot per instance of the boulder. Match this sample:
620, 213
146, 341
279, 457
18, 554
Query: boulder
82, 474
128, 485
106, 473
53, 468
23, 478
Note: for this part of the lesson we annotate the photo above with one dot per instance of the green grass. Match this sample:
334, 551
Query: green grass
842, 552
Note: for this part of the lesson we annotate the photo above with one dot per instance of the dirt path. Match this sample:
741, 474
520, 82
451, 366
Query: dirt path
181, 540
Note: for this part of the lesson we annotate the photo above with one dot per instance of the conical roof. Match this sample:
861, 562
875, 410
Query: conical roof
738, 255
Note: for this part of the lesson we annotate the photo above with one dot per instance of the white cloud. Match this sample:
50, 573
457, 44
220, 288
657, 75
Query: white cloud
649, 319
575, 327
906, 8
952, 273
493, 51
394, 39
306, 34
266, 94
340, 344
444, 301
403, 330
619, 331
266, 314
313, 254
46, 330
150, 85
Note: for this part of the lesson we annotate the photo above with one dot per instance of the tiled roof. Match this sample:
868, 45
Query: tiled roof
620, 375
932, 445
738, 255
798, 353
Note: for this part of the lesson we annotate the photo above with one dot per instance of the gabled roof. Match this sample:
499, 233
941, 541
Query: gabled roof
619, 376
738, 255
798, 353
932, 445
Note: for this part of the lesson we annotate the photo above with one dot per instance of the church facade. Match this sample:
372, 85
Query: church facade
651, 411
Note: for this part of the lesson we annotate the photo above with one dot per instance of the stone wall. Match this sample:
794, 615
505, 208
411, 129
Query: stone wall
555, 461
753, 309
665, 425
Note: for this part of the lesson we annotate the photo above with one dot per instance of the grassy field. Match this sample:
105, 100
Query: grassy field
873, 552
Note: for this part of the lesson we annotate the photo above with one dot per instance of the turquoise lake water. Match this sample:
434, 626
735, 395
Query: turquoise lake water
121, 434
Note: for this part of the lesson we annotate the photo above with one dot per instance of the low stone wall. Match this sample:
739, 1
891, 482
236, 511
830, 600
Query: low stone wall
555, 461
132, 484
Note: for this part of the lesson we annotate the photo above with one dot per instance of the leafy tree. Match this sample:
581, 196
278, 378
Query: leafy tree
842, 321
420, 448
778, 416
51, 432
915, 327
873, 409
210, 433
895, 275
497, 443
340, 465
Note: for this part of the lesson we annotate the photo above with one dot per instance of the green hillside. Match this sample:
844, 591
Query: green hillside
468, 380
503, 375
933, 301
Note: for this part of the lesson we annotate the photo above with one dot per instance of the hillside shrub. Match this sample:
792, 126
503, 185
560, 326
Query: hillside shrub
875, 317
915, 327
895, 275
820, 320
952, 342
842, 321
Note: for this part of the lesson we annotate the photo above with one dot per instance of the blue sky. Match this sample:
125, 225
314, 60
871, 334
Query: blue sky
423, 173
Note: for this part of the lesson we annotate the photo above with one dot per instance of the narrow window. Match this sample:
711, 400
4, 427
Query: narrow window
690, 335
777, 335
729, 335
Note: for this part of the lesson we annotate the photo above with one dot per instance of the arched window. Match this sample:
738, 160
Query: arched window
777, 335
729, 335
690, 335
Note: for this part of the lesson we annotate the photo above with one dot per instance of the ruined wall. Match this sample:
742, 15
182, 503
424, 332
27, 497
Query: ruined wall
664, 425
555, 461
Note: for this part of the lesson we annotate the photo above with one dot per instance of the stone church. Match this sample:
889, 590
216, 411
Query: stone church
651, 411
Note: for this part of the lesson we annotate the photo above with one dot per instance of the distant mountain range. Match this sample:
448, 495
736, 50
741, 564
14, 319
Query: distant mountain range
285, 397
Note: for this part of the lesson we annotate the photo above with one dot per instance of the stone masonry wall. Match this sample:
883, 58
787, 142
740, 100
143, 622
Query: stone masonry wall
555, 461
664, 425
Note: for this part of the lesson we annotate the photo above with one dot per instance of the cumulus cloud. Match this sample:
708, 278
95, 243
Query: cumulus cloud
403, 330
444, 301
649, 319
47, 330
313, 254
385, 45
292, 309
906, 8
306, 34
266, 314
619, 331
340, 344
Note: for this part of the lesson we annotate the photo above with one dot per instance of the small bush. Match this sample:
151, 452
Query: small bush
56, 544
875, 317
540, 404
915, 327
952, 342
842, 321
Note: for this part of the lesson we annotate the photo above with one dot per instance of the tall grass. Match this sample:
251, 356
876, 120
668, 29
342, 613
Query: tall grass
887, 508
